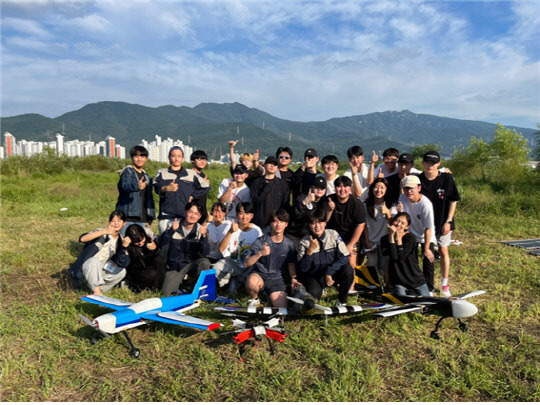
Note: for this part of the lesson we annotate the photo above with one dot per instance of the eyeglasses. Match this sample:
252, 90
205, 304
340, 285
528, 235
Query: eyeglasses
284, 157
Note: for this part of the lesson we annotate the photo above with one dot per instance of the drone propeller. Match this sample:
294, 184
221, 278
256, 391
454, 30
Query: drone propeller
90, 323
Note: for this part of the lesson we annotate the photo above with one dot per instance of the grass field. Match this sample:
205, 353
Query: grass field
46, 354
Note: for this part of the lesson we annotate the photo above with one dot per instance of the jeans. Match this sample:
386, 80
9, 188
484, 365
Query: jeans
402, 290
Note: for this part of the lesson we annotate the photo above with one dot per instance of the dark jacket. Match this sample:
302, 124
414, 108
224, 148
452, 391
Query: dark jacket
184, 249
268, 196
129, 195
328, 258
120, 258
172, 204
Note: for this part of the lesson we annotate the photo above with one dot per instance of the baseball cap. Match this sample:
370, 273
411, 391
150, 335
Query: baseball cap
311, 152
431, 156
240, 169
410, 181
406, 158
319, 182
271, 159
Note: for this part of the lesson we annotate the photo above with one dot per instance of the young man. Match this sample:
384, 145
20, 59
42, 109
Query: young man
234, 190
135, 191
236, 245
199, 160
358, 172
330, 164
441, 190
306, 173
255, 170
389, 166
273, 257
284, 155
422, 224
176, 187
303, 206
268, 193
347, 216
405, 167
323, 259
188, 248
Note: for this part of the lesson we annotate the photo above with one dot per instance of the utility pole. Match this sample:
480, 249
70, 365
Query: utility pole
289, 136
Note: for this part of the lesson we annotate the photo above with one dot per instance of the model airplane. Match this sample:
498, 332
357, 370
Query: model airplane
305, 305
171, 310
369, 286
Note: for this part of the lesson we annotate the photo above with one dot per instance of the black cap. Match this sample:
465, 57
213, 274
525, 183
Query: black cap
241, 168
431, 156
319, 182
271, 159
311, 152
406, 158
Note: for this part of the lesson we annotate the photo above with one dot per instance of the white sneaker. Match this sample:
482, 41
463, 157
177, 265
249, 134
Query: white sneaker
341, 304
445, 289
253, 303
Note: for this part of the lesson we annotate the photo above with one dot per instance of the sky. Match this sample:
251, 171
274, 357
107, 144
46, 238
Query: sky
297, 60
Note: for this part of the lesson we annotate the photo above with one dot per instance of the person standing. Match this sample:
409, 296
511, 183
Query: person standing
422, 224
441, 190
176, 187
135, 197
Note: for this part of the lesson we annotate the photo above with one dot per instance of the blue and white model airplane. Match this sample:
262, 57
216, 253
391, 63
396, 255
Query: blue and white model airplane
172, 310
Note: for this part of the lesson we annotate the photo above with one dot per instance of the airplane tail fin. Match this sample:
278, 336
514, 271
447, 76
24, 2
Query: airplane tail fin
367, 280
205, 288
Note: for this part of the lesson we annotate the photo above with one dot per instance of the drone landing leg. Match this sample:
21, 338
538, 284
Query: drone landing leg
134, 351
435, 333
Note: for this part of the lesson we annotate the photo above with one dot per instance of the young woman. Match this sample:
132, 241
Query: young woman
378, 216
145, 269
104, 258
402, 249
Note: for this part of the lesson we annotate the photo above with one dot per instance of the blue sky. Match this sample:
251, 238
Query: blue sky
299, 60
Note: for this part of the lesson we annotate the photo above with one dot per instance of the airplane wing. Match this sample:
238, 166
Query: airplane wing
469, 295
178, 318
254, 311
393, 310
108, 302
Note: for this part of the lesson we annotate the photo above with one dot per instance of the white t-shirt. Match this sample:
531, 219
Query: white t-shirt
216, 235
377, 226
241, 242
382, 168
422, 217
362, 178
239, 194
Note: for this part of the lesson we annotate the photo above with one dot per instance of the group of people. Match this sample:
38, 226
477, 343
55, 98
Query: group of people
273, 230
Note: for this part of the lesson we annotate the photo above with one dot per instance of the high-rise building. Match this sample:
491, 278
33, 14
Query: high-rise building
110, 146
9, 144
59, 144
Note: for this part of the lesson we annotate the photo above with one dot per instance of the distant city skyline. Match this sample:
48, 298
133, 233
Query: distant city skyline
301, 60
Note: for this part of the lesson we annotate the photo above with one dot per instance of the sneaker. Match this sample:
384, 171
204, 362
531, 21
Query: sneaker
431, 294
446, 290
253, 303
341, 304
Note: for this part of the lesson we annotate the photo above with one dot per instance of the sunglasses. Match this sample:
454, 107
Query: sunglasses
284, 157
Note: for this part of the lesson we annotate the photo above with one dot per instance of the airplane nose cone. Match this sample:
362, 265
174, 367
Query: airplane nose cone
463, 309
107, 323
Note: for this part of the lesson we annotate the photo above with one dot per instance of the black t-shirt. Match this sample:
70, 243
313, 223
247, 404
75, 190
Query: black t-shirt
394, 188
403, 267
441, 191
303, 181
346, 216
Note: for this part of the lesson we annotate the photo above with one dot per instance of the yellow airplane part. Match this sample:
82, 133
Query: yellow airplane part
367, 275
393, 299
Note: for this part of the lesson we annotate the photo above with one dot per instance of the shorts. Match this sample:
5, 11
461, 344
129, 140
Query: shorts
444, 240
272, 285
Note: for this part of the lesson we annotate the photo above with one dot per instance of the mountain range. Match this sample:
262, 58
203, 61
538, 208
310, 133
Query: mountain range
209, 126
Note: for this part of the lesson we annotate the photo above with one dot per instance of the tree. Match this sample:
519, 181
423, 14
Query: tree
503, 159
537, 150
419, 151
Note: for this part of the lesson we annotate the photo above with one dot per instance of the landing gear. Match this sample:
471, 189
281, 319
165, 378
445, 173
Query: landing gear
464, 328
93, 340
134, 351
435, 335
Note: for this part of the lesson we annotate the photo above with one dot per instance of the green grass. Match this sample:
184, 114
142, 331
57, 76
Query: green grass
47, 356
